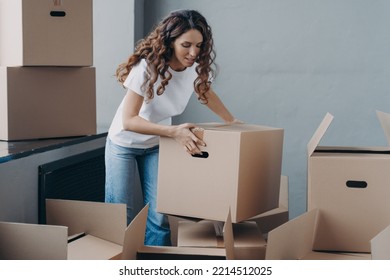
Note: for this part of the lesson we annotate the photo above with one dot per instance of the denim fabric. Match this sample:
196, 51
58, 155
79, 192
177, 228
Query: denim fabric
122, 164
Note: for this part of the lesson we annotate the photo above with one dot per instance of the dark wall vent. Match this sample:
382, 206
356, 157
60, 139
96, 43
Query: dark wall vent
79, 177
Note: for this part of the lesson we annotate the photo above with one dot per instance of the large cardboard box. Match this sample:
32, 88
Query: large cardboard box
97, 230
350, 185
46, 33
47, 102
239, 169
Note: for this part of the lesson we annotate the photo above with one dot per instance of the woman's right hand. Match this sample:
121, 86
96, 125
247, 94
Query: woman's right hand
183, 135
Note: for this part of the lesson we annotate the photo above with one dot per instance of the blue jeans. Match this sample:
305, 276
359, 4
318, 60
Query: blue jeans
121, 182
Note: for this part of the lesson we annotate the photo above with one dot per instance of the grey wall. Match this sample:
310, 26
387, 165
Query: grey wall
113, 42
286, 63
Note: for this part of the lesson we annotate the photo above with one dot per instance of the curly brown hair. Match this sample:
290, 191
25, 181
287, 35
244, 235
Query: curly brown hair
156, 50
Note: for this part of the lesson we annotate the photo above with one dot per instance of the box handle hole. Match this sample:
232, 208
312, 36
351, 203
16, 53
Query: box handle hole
57, 13
202, 155
356, 184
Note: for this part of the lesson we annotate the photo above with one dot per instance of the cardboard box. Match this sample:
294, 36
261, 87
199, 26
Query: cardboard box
273, 218
47, 102
46, 33
350, 185
134, 247
240, 169
102, 224
248, 241
294, 241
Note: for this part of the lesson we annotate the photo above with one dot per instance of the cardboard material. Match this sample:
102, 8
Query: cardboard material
272, 219
134, 247
240, 169
350, 187
104, 226
103, 220
380, 245
248, 242
294, 241
93, 248
46, 33
47, 102
20, 241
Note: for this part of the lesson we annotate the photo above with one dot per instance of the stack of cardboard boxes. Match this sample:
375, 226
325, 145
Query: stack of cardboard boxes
47, 82
47, 90
348, 204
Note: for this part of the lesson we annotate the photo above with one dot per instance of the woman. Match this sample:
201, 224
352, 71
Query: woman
172, 62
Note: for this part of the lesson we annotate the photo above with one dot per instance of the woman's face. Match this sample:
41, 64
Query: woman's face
186, 49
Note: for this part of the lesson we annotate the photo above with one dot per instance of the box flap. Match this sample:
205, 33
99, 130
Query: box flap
380, 245
228, 237
92, 248
384, 119
20, 241
316, 138
103, 220
294, 239
283, 192
135, 235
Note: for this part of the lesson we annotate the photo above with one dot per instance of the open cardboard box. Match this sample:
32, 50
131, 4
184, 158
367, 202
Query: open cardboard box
247, 238
102, 224
240, 169
294, 241
134, 247
350, 185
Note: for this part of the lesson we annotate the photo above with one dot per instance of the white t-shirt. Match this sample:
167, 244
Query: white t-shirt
160, 109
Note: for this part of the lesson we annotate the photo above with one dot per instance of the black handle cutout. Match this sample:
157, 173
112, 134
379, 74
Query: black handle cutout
57, 13
202, 155
356, 184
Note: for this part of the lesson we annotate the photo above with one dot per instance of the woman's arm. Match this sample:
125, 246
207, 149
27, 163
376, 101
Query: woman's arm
215, 104
133, 122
